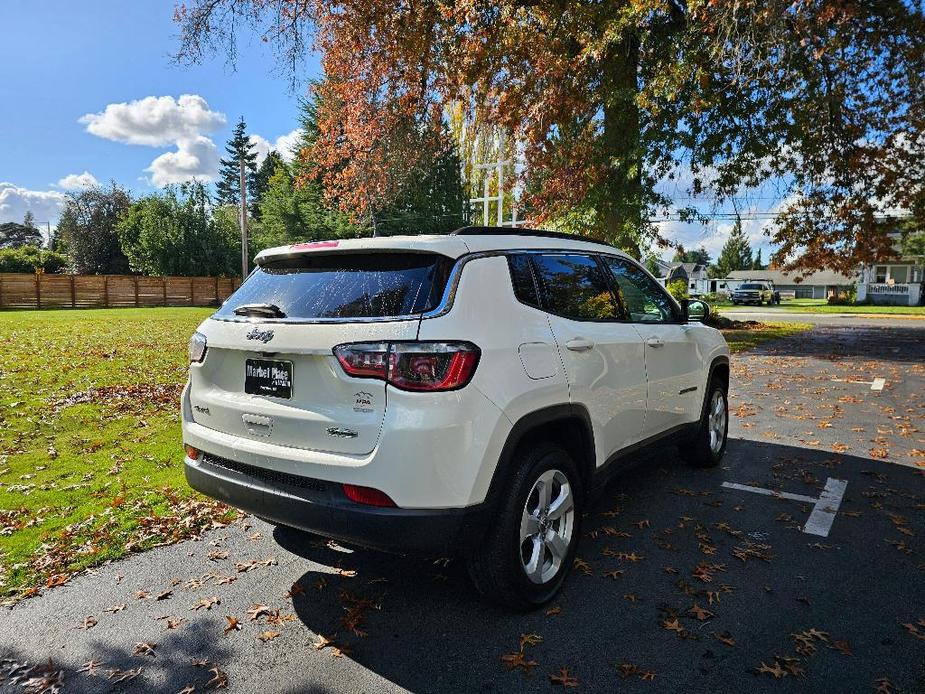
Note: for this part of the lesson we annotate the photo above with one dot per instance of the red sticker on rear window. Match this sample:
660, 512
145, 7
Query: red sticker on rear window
313, 244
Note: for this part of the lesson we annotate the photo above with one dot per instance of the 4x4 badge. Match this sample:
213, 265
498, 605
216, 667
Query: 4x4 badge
263, 335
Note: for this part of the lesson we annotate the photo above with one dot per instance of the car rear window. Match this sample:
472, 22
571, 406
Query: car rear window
345, 285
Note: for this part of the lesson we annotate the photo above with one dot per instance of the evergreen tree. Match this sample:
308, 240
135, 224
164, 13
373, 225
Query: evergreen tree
28, 220
261, 181
757, 264
228, 188
736, 253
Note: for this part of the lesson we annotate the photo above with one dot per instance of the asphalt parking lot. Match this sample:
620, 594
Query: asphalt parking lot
682, 583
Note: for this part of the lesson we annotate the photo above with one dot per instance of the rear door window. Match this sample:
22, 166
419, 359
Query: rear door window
575, 286
345, 285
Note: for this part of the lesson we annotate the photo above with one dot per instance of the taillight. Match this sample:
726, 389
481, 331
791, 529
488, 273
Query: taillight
367, 496
365, 359
417, 366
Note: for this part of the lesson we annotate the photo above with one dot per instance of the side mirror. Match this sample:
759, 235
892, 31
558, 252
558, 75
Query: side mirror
695, 310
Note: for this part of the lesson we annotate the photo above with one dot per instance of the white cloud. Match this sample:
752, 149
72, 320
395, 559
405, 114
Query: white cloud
286, 145
195, 158
155, 120
45, 205
261, 146
78, 181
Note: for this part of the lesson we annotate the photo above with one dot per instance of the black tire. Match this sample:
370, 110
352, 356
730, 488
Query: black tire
700, 451
496, 564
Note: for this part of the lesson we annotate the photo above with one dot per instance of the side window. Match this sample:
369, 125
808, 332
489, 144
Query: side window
522, 280
644, 300
574, 286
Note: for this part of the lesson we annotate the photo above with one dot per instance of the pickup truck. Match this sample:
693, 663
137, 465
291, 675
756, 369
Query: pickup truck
755, 293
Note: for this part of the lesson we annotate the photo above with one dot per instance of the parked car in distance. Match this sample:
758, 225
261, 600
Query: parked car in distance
459, 395
755, 293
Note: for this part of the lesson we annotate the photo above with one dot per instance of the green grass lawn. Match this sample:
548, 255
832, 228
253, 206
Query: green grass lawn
90, 443
821, 306
740, 339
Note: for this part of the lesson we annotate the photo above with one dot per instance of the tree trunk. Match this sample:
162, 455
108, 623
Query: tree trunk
620, 205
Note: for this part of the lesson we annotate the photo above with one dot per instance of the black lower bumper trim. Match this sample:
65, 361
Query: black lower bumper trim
324, 510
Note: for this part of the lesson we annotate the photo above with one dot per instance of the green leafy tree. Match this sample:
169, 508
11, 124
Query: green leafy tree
173, 233
700, 256
736, 253
678, 289
435, 204
291, 213
261, 180
239, 148
88, 229
30, 259
13, 235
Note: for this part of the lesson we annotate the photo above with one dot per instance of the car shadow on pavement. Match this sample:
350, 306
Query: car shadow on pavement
185, 658
661, 544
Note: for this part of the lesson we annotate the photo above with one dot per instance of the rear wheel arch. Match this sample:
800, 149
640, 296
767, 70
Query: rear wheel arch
566, 425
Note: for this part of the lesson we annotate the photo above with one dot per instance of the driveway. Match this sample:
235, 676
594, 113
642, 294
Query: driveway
683, 584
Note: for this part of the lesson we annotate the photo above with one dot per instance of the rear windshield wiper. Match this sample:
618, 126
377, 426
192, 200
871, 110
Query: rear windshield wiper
263, 310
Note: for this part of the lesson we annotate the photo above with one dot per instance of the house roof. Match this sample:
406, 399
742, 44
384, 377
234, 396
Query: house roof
779, 277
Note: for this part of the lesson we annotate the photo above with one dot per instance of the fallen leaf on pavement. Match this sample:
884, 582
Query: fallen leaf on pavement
206, 603
513, 661
142, 648
563, 678
257, 611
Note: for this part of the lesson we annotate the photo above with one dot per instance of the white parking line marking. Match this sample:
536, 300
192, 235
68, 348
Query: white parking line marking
823, 515
769, 492
878, 384
824, 508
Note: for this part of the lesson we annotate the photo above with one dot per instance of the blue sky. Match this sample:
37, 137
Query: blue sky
90, 93
64, 60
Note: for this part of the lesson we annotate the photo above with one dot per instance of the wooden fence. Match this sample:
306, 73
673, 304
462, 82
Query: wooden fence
22, 290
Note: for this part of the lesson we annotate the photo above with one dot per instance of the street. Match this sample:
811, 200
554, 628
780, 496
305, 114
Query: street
803, 573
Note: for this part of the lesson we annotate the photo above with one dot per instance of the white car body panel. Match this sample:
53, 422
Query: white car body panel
440, 450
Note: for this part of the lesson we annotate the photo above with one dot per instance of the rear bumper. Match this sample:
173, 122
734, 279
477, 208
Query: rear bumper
321, 507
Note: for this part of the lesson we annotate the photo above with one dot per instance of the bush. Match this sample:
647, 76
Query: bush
678, 289
29, 258
845, 298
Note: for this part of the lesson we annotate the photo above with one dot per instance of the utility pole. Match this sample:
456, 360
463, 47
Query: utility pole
242, 217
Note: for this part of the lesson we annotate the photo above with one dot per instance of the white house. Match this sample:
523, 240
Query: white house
898, 282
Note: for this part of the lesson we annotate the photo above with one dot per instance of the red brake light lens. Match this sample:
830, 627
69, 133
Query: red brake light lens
364, 360
367, 496
415, 366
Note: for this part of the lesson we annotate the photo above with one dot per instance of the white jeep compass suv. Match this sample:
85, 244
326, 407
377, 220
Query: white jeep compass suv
448, 395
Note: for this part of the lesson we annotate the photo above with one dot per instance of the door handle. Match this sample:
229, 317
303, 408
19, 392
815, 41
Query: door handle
579, 344
655, 342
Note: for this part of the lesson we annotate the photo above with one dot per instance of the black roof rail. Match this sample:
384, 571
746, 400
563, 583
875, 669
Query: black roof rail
524, 231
